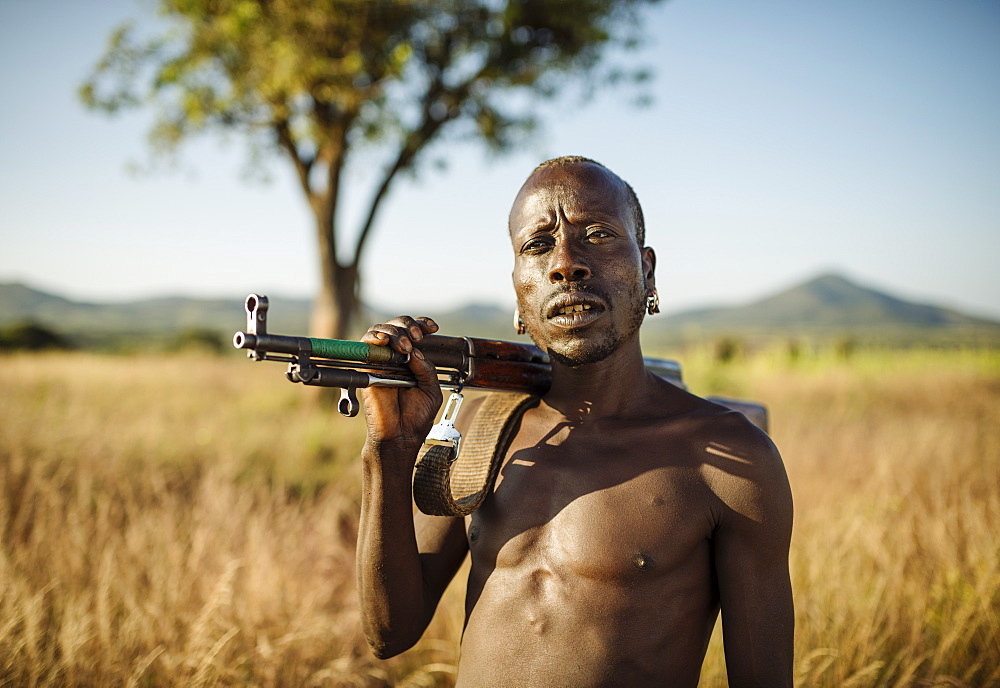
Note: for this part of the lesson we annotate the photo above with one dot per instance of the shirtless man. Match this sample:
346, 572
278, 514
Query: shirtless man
627, 511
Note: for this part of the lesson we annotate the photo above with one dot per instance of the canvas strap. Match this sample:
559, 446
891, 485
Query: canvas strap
443, 487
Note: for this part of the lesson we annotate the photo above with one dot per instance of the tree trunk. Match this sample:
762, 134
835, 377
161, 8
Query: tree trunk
338, 301
338, 304
325, 321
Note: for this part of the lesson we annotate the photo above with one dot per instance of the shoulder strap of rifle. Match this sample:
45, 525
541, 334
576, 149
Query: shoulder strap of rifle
445, 486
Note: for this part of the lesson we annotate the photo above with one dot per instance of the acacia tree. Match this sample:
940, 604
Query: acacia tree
317, 80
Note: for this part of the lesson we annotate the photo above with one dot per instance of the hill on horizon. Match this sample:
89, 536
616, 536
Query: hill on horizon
161, 317
826, 304
829, 300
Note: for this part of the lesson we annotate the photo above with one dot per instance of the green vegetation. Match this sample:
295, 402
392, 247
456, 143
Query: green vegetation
29, 336
190, 520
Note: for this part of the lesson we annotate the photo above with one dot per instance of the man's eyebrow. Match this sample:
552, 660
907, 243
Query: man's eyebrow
540, 222
597, 214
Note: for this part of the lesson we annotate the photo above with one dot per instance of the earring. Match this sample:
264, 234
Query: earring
519, 325
653, 302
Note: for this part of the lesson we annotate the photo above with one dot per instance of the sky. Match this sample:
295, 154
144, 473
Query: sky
785, 139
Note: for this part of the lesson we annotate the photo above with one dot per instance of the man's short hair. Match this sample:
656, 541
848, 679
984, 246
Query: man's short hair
633, 199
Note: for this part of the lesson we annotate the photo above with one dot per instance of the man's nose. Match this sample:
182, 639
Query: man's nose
568, 263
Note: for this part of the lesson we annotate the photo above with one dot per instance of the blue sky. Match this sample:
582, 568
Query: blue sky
786, 138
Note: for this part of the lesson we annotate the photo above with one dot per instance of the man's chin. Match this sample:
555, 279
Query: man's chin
585, 345
582, 352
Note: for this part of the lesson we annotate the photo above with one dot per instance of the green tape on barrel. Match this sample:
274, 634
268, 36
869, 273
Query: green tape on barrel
348, 351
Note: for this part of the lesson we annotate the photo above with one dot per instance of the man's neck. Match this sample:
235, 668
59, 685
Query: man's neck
611, 387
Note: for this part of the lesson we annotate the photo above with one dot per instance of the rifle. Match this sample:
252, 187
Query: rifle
461, 362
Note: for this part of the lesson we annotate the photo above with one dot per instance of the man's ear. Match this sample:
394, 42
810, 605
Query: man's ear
649, 267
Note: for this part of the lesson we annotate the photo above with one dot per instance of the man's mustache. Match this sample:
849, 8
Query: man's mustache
583, 292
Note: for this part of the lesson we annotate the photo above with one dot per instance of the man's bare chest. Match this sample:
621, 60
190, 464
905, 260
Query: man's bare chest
604, 508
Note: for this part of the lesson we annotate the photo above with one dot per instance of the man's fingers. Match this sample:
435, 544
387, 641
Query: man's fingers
373, 337
422, 369
427, 325
400, 333
415, 328
389, 335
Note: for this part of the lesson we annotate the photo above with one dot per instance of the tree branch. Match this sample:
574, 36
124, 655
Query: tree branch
302, 166
418, 137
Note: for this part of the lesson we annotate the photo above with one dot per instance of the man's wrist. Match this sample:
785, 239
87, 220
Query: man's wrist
392, 450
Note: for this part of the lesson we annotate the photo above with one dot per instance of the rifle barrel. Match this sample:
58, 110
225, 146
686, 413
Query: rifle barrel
335, 349
443, 351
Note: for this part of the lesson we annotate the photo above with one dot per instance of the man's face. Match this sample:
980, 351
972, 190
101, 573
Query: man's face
580, 277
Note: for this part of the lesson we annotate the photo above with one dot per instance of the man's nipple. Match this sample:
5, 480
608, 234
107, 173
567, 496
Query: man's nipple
642, 561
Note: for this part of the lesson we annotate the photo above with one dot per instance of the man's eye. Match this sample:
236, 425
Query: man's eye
599, 234
537, 245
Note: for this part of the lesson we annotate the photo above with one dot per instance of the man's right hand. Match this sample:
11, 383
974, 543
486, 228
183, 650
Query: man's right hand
400, 418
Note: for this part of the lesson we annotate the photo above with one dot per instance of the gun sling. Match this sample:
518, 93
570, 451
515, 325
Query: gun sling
447, 486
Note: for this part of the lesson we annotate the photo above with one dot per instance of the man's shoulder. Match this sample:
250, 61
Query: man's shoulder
696, 418
718, 438
740, 465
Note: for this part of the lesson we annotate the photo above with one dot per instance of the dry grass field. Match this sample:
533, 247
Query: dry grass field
190, 521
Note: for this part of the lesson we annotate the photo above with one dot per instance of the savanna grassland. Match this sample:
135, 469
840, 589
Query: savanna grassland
190, 521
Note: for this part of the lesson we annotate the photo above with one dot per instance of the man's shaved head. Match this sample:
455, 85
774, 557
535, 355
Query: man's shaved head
633, 199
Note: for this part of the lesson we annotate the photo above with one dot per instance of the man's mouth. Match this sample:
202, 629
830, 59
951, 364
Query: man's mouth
574, 310
566, 310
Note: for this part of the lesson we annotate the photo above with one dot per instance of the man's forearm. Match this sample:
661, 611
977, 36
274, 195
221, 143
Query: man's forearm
390, 580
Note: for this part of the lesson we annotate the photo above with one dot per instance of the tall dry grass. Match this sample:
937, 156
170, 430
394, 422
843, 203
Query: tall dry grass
180, 522
190, 521
894, 462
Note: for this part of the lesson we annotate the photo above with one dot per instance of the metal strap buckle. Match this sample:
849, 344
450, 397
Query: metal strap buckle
444, 431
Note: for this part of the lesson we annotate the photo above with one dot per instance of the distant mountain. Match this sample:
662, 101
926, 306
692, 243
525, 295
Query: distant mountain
19, 303
828, 302
170, 315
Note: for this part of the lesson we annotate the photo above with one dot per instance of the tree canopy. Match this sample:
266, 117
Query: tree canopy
318, 80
